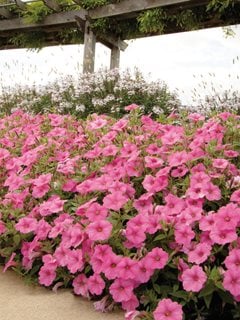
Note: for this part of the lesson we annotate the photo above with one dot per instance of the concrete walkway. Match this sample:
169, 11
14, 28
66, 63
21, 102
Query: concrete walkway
21, 302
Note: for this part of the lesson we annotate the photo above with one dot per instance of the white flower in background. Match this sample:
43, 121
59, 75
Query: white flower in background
157, 110
80, 108
14, 109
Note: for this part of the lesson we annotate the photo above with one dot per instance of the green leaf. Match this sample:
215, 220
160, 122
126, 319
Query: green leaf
208, 289
160, 237
214, 275
16, 239
207, 300
180, 294
157, 288
226, 296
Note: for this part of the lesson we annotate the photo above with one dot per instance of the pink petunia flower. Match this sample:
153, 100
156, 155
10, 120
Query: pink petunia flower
135, 235
195, 117
235, 197
193, 279
168, 310
231, 281
110, 266
14, 182
114, 201
96, 284
96, 212
99, 230
223, 236
179, 172
207, 222
61, 255
10, 263
211, 191
26, 225
46, 275
184, 234
144, 204
127, 268
42, 230
232, 261
97, 124
174, 205
2, 227
75, 260
40, 191
153, 162
132, 315
144, 272
178, 158
130, 304
220, 163
131, 107
80, 285
121, 290
156, 259
200, 253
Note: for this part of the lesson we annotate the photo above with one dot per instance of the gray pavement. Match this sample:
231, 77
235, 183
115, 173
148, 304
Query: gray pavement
19, 301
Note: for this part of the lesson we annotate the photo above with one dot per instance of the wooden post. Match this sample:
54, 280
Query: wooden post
115, 58
89, 49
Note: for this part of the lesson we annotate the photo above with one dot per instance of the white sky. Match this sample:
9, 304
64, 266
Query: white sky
182, 60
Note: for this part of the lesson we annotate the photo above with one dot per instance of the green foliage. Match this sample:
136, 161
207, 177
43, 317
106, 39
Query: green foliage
219, 5
32, 40
36, 12
187, 20
90, 4
152, 21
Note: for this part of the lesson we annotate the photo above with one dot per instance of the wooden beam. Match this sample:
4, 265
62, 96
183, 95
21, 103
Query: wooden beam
5, 13
127, 6
89, 49
65, 18
112, 42
115, 58
81, 23
4, 38
107, 40
52, 5
21, 4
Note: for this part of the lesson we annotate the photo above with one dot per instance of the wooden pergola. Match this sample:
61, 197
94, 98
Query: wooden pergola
124, 10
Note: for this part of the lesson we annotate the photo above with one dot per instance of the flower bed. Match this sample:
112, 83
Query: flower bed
130, 212
103, 92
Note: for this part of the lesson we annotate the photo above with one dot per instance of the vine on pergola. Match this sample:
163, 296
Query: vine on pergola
149, 22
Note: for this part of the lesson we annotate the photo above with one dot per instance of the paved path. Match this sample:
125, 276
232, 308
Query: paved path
21, 302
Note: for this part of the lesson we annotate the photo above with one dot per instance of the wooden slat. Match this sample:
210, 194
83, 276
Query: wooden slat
52, 5
111, 42
127, 6
21, 4
5, 13
66, 18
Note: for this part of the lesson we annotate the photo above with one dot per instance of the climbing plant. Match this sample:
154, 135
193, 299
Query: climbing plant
153, 21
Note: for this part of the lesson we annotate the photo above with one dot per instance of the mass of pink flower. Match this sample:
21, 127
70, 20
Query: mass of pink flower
112, 207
